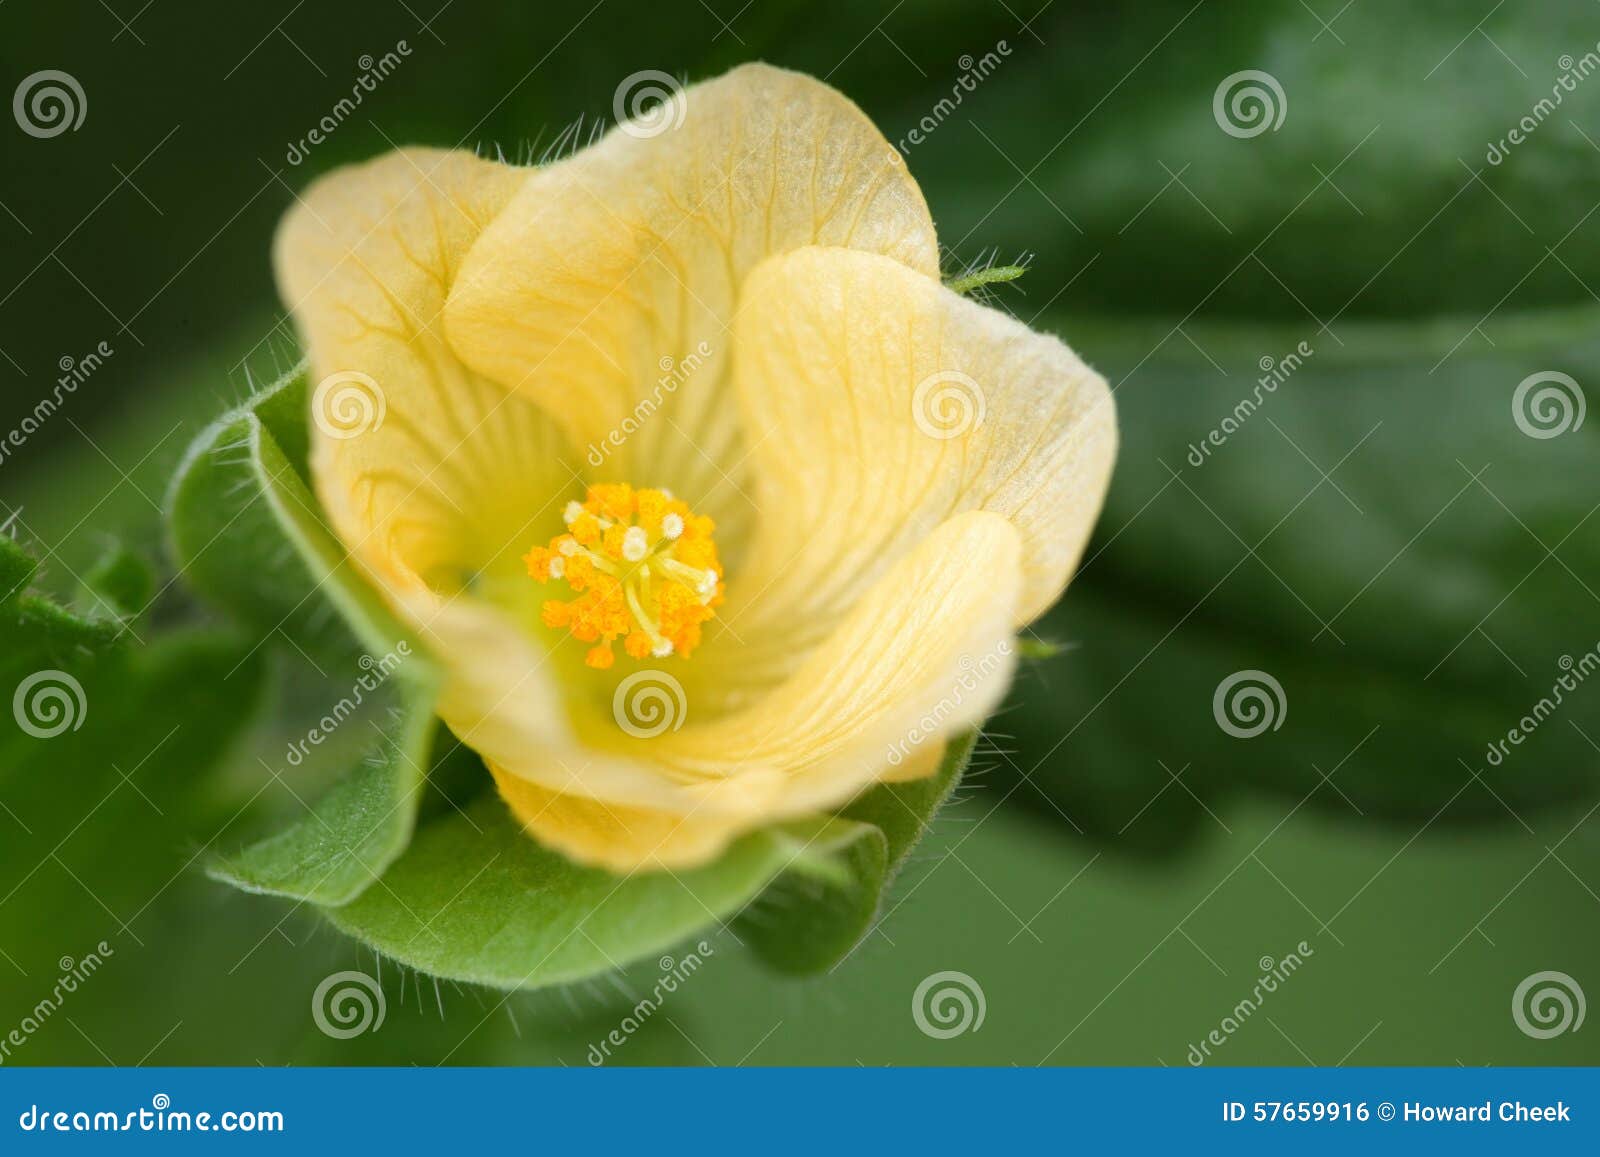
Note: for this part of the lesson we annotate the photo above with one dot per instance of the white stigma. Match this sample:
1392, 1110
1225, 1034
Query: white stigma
662, 649
635, 544
569, 547
672, 526
571, 513
558, 567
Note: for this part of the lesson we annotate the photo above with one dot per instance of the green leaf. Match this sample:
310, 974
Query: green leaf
360, 827
805, 923
250, 536
1432, 586
903, 811
475, 899
1380, 166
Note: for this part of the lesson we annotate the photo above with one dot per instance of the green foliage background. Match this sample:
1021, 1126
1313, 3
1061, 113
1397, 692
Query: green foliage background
1380, 536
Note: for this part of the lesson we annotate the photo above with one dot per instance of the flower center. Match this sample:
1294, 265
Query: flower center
644, 569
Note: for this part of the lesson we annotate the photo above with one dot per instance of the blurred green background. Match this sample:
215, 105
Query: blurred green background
1381, 535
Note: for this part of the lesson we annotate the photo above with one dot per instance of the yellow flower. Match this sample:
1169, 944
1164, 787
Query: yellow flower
697, 393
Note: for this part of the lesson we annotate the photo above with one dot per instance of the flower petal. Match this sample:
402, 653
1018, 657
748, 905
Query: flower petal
878, 404
927, 650
427, 471
595, 289
920, 762
613, 836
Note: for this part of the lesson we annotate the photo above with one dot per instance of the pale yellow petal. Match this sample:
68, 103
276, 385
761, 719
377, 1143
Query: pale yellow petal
606, 289
622, 838
613, 836
878, 404
919, 763
925, 651
432, 476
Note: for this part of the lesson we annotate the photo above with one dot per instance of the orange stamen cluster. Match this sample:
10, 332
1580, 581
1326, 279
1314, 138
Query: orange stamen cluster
643, 567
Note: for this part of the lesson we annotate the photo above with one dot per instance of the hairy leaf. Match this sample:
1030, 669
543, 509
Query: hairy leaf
250, 536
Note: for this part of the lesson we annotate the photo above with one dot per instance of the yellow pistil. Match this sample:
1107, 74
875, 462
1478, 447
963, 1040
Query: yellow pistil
644, 569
